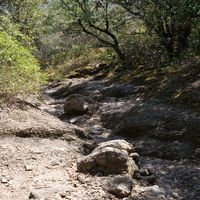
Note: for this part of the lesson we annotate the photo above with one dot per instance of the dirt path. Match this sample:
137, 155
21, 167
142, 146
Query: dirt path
43, 169
35, 168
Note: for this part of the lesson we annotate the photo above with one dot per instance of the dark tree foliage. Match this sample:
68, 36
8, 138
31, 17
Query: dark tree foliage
95, 19
26, 13
172, 21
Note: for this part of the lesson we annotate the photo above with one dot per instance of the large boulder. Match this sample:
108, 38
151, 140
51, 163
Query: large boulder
75, 105
109, 158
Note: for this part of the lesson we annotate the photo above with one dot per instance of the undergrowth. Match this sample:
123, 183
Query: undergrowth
19, 69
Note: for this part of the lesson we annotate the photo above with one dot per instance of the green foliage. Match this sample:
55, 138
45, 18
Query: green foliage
19, 70
27, 14
97, 19
171, 21
133, 29
55, 73
82, 61
137, 31
13, 29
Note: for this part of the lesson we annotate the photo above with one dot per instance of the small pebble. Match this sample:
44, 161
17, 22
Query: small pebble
175, 195
54, 163
63, 194
29, 168
4, 180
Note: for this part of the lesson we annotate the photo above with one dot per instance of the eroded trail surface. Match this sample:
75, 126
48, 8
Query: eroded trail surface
43, 169
41, 145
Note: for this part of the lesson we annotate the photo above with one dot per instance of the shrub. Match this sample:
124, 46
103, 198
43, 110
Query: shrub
19, 69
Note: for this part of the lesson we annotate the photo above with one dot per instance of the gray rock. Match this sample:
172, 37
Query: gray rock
135, 157
163, 149
109, 158
76, 120
121, 90
28, 122
151, 192
117, 144
96, 130
4, 180
95, 95
66, 88
173, 126
29, 168
44, 193
120, 186
75, 105
154, 119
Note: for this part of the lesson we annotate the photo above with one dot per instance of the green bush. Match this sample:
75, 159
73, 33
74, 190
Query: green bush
13, 29
19, 69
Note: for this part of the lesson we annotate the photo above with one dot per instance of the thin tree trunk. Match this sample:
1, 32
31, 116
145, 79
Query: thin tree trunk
121, 55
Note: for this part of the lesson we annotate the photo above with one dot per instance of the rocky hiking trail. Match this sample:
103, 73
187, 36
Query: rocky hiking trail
108, 143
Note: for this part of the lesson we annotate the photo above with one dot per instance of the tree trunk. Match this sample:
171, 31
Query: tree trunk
176, 42
121, 55
182, 38
168, 43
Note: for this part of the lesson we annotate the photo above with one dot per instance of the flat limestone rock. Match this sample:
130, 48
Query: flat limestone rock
28, 122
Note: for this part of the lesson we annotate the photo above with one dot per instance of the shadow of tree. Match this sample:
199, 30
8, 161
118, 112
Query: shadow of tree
180, 180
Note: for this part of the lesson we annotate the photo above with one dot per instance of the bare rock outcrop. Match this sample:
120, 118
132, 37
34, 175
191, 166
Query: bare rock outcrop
170, 132
29, 121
